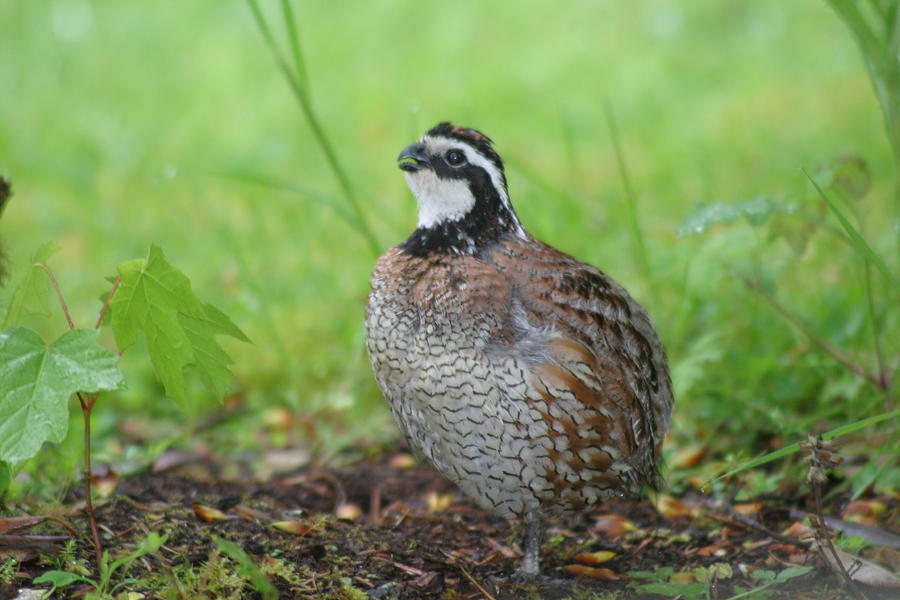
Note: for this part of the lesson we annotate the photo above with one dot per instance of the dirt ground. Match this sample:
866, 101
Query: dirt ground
391, 529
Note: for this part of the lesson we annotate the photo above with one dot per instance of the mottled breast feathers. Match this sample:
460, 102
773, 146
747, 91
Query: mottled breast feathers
559, 378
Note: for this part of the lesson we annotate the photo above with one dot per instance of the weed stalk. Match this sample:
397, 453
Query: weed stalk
822, 457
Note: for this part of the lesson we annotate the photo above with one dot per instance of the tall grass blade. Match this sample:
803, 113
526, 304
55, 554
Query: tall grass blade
859, 244
883, 374
294, 39
787, 450
880, 53
300, 92
631, 199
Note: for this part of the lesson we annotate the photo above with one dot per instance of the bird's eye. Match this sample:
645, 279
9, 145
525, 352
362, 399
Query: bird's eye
455, 157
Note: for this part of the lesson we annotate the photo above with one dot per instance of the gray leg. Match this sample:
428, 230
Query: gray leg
531, 564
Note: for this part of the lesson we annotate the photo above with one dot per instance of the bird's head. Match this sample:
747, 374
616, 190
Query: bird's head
458, 180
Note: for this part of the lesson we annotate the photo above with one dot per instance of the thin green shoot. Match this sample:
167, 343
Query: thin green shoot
294, 39
873, 322
637, 235
300, 92
788, 450
880, 53
859, 244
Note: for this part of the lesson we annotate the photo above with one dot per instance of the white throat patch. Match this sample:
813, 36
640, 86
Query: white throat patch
440, 200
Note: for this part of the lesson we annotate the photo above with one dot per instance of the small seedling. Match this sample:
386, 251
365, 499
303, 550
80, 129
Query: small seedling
103, 587
148, 296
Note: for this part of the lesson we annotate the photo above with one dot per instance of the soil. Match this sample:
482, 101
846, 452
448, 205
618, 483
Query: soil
383, 529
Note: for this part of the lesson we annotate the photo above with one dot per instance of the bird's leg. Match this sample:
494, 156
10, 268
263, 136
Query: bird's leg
531, 563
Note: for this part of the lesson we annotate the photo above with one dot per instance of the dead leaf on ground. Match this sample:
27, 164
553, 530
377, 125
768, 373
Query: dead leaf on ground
438, 502
280, 417
599, 573
798, 531
671, 508
105, 482
594, 558
208, 513
865, 512
402, 460
300, 528
14, 523
748, 509
714, 550
348, 511
250, 514
613, 525
688, 457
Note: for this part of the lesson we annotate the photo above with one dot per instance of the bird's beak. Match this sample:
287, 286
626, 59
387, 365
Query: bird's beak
413, 158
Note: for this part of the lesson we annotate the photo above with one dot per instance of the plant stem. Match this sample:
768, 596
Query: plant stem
820, 459
87, 469
86, 406
109, 296
62, 301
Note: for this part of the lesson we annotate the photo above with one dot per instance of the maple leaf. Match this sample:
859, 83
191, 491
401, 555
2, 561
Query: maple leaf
156, 299
30, 296
211, 360
37, 380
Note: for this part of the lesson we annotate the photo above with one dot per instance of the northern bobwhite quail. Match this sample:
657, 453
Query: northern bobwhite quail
533, 381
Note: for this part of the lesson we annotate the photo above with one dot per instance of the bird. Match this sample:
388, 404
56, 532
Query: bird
530, 379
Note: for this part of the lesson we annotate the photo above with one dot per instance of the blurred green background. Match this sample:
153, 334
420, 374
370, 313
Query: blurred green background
124, 124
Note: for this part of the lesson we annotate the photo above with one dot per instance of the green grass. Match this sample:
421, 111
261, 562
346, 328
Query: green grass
124, 125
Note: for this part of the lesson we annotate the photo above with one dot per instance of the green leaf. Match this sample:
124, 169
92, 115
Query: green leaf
60, 579
208, 355
757, 211
791, 573
156, 299
150, 544
247, 568
37, 380
30, 296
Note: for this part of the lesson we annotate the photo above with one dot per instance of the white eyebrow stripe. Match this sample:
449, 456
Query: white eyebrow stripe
440, 144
